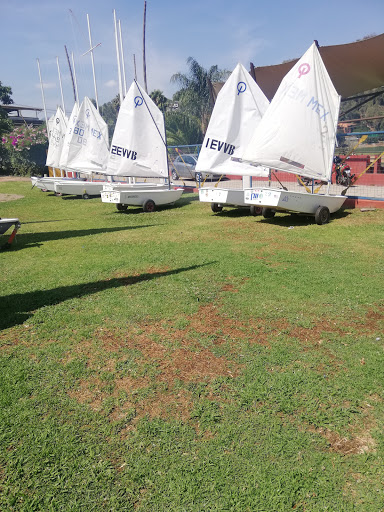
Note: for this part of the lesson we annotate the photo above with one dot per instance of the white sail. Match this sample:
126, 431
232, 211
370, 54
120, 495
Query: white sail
89, 145
297, 133
239, 107
138, 146
57, 128
68, 136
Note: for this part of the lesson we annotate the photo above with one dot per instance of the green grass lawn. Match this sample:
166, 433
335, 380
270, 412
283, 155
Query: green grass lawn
186, 361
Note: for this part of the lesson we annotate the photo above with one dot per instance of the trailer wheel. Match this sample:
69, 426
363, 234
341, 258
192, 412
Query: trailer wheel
216, 208
149, 206
267, 213
58, 194
255, 210
322, 215
174, 175
85, 196
122, 207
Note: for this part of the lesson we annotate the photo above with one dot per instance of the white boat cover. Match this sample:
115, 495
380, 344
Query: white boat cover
239, 107
68, 136
138, 146
57, 128
89, 144
297, 133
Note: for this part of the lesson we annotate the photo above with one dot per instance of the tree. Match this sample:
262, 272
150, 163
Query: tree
5, 95
5, 123
109, 112
194, 95
159, 99
182, 129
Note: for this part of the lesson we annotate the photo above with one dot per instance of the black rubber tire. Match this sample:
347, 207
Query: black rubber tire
198, 176
85, 196
122, 207
174, 175
216, 208
58, 194
149, 206
255, 210
322, 215
267, 213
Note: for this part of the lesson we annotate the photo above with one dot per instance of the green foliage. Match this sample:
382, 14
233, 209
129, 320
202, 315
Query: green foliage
194, 95
373, 108
5, 94
24, 151
182, 129
159, 99
109, 112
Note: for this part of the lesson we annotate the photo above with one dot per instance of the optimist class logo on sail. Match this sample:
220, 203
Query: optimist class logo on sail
295, 92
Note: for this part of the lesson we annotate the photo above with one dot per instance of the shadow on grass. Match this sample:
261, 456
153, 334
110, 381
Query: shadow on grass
294, 219
27, 240
180, 203
231, 212
18, 307
42, 221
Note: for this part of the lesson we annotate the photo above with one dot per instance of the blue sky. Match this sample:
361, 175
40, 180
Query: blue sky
218, 32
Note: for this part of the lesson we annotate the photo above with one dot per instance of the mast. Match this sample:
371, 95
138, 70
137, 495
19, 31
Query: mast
42, 94
70, 70
144, 62
74, 76
122, 59
134, 66
61, 87
118, 58
93, 64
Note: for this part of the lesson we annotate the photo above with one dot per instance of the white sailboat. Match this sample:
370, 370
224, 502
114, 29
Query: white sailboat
297, 135
86, 151
239, 107
57, 127
138, 150
68, 136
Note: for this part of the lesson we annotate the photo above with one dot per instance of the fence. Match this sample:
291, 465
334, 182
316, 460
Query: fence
363, 153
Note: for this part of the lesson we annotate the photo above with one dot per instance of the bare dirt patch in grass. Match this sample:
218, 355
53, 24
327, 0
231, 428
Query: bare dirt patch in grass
9, 197
167, 358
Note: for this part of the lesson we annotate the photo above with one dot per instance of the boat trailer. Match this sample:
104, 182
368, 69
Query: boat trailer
5, 224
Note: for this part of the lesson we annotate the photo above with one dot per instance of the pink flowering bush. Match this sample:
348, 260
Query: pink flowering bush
25, 150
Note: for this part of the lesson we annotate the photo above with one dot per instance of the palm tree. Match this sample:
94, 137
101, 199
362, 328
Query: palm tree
194, 96
159, 99
182, 129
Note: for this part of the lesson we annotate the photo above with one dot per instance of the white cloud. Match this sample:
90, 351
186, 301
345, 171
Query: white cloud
110, 83
47, 85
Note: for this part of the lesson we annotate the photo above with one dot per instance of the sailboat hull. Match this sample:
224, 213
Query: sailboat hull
48, 184
222, 196
299, 202
137, 197
80, 188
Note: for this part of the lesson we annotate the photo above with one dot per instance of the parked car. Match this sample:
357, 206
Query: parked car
184, 167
